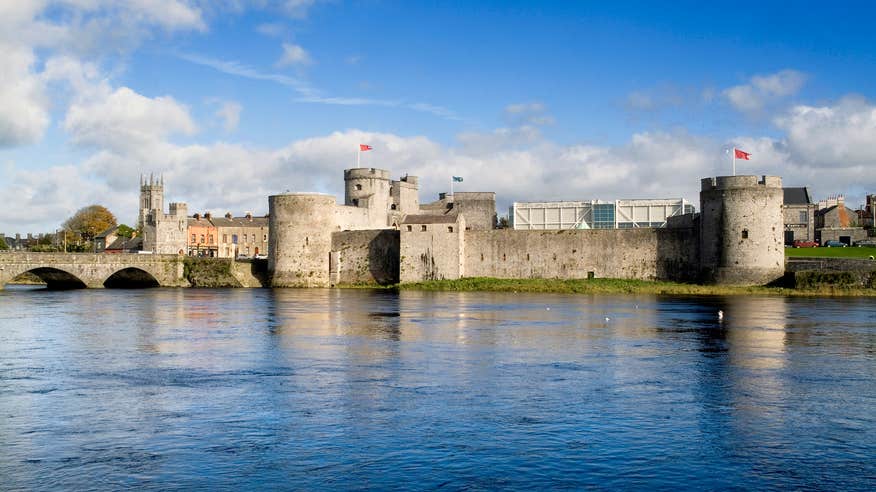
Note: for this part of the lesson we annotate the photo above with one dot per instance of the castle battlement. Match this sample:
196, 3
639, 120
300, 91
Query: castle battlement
734, 182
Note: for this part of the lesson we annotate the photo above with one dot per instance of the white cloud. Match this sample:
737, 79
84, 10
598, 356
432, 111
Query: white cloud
240, 70
518, 164
229, 113
169, 14
293, 55
298, 9
124, 119
271, 29
838, 136
763, 89
24, 108
641, 101
533, 113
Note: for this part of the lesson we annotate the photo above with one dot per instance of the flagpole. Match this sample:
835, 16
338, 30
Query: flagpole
358, 156
451, 185
734, 161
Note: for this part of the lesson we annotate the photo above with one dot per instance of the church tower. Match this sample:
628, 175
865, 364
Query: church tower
151, 199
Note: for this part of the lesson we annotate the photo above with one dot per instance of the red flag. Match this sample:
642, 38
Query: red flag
742, 155
363, 147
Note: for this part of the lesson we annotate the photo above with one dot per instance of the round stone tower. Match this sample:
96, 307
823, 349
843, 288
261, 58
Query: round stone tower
369, 188
741, 230
300, 239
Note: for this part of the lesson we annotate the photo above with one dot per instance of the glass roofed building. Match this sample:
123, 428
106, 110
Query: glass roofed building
596, 214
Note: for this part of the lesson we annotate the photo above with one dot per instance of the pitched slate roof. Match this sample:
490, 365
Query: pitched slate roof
796, 196
107, 232
429, 219
124, 243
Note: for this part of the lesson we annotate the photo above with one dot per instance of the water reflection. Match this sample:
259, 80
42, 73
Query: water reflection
175, 388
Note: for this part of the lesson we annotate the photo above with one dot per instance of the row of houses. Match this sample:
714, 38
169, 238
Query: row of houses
219, 237
826, 220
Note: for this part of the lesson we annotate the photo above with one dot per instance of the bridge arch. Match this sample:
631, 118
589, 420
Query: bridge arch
55, 278
131, 278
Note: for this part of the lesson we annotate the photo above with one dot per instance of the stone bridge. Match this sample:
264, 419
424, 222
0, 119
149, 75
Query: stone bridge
94, 270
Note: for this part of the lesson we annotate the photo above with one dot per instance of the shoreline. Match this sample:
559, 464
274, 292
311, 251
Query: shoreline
598, 286
621, 286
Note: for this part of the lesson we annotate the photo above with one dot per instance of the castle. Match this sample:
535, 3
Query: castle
382, 234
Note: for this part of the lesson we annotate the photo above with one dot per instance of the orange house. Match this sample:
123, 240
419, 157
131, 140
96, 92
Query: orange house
201, 237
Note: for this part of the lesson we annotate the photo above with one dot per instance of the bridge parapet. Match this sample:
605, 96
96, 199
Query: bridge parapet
91, 269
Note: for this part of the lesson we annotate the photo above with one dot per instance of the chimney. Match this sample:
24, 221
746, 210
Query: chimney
197, 216
228, 215
248, 216
208, 215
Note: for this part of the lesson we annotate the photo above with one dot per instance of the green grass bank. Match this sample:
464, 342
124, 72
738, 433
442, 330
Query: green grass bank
618, 286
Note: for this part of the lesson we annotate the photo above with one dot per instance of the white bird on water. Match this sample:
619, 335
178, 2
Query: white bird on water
720, 315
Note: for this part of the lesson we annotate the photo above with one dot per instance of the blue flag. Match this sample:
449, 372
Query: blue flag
457, 179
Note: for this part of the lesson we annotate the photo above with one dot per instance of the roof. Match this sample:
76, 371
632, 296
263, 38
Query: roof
429, 219
239, 222
222, 221
125, 243
796, 196
107, 232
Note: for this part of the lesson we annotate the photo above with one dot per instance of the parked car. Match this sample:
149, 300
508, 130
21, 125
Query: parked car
242, 256
834, 244
261, 257
800, 243
871, 243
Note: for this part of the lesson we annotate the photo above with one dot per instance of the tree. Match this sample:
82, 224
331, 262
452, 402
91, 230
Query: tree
90, 221
3, 245
125, 231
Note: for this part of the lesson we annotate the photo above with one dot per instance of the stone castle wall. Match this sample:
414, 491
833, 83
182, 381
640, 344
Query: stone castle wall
651, 254
648, 254
365, 257
432, 251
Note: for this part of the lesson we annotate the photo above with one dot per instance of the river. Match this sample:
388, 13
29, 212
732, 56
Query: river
182, 389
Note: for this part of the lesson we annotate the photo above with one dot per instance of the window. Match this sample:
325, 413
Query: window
202, 238
355, 202
225, 238
358, 187
804, 216
603, 216
265, 238
744, 233
424, 228
234, 238
392, 207
210, 239
410, 228
449, 228
193, 239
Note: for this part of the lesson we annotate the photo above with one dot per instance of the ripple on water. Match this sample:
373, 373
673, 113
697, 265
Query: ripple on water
181, 389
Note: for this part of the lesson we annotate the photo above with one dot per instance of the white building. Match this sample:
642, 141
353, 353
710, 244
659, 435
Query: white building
596, 214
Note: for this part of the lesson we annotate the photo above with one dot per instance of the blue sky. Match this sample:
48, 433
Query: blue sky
233, 100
